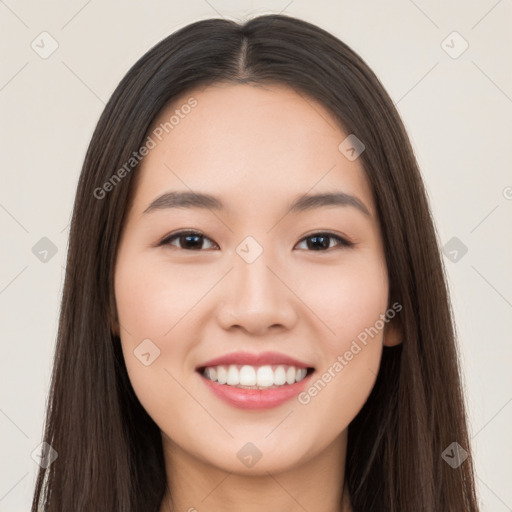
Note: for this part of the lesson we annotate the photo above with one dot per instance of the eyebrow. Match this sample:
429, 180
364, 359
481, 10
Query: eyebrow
306, 202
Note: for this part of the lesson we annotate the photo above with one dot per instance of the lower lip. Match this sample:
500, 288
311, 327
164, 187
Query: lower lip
256, 398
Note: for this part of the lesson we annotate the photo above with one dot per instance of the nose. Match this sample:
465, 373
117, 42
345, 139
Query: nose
256, 298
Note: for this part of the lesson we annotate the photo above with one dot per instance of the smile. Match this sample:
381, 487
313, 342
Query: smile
255, 377
255, 381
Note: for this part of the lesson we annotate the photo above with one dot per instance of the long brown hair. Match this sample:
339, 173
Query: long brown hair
110, 454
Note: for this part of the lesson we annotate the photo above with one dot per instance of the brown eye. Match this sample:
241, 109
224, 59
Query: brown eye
322, 241
194, 241
187, 240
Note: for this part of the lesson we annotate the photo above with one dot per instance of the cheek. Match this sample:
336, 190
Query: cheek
153, 297
349, 302
158, 301
351, 307
146, 307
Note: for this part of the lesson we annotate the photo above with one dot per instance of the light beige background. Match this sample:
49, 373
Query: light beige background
458, 113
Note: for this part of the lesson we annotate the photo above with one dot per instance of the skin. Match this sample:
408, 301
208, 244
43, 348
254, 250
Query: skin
257, 149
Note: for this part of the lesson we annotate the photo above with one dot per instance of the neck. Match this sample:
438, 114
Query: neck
315, 484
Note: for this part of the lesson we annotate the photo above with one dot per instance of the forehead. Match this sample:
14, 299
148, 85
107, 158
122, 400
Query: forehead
249, 145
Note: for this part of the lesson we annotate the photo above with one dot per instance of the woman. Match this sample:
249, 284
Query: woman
255, 314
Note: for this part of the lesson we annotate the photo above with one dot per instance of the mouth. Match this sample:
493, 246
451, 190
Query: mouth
255, 377
256, 385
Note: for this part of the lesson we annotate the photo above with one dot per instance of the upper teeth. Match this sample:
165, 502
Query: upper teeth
255, 376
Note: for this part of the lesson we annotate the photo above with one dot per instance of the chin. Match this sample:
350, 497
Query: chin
254, 455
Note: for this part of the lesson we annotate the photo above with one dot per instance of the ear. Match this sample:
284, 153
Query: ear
393, 332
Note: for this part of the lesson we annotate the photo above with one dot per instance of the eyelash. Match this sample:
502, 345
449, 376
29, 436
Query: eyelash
342, 242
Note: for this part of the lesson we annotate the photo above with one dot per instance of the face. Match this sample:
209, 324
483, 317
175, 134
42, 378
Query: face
249, 286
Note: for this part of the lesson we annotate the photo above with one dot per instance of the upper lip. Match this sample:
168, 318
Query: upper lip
264, 358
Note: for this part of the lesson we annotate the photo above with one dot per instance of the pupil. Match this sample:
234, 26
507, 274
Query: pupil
192, 246
325, 243
314, 242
